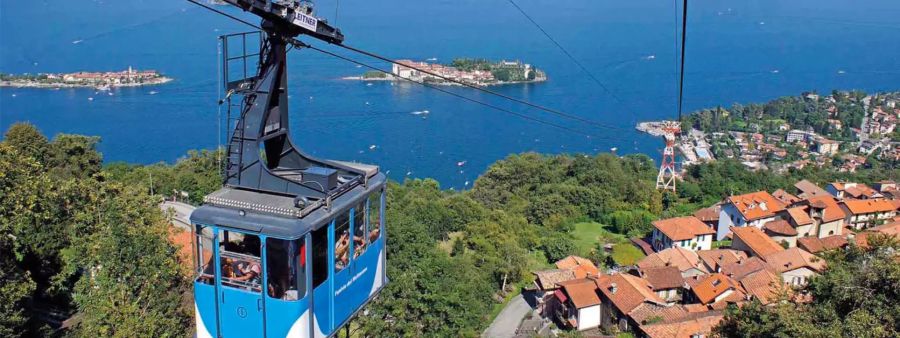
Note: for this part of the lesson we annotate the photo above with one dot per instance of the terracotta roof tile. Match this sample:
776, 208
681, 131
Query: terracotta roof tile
684, 329
858, 207
799, 216
582, 267
681, 258
663, 278
808, 189
833, 211
582, 292
780, 228
785, 197
714, 285
794, 258
682, 228
710, 214
548, 279
658, 313
763, 285
756, 205
756, 240
816, 245
741, 269
718, 257
626, 292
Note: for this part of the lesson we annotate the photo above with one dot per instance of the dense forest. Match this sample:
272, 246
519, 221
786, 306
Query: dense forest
87, 240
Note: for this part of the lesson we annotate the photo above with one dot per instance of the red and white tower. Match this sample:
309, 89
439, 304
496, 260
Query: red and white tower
667, 174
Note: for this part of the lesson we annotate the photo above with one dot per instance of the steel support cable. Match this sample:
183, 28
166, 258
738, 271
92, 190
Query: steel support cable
571, 57
683, 43
379, 57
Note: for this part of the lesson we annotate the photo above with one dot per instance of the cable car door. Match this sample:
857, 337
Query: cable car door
240, 284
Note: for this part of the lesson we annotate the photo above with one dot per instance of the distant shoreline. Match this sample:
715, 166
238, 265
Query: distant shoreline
100, 80
55, 85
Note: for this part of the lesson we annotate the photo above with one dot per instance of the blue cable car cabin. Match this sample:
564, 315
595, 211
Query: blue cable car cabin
264, 274
291, 246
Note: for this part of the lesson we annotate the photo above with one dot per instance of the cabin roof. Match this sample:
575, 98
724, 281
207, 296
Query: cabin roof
273, 214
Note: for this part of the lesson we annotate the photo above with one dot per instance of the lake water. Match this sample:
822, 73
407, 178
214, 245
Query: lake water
738, 51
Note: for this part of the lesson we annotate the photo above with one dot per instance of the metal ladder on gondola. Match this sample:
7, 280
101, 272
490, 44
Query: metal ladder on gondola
236, 106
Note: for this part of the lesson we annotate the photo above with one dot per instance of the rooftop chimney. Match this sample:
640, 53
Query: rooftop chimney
613, 288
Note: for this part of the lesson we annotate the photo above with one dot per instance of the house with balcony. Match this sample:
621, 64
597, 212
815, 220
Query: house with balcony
862, 214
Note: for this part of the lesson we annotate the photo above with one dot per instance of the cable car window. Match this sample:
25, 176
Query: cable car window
342, 241
203, 246
239, 260
359, 229
375, 216
286, 268
320, 256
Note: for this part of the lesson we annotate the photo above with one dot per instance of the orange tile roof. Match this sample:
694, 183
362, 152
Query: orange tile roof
739, 270
582, 292
799, 215
780, 228
718, 257
582, 267
756, 205
785, 197
859, 207
681, 258
764, 285
816, 245
714, 285
794, 258
756, 240
183, 240
630, 291
682, 228
832, 209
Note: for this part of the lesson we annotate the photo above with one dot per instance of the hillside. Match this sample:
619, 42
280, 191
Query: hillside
453, 256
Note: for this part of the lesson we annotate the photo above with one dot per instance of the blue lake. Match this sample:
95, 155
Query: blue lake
738, 51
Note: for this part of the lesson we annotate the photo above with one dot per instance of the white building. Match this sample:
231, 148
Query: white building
684, 232
753, 209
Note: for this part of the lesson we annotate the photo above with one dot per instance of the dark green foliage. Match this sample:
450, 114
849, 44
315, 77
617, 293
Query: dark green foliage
27, 140
76, 243
558, 246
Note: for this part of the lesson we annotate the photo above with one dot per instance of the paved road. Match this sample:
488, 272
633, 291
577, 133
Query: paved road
182, 216
506, 323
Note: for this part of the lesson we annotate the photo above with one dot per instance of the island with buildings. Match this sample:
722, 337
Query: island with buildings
99, 80
478, 72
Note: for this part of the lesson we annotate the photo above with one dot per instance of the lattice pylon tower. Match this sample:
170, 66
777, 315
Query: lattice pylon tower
667, 174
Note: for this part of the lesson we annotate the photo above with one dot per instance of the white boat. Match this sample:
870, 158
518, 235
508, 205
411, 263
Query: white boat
103, 87
431, 59
77, 42
372, 147
153, 92
90, 99
460, 163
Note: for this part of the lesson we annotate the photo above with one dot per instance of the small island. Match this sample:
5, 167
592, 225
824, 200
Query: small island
100, 80
478, 72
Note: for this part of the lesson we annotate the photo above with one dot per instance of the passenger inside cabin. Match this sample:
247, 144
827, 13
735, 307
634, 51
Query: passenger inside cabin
249, 272
342, 250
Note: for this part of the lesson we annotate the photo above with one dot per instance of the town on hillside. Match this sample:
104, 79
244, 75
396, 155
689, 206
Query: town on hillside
100, 80
476, 72
842, 130
759, 246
